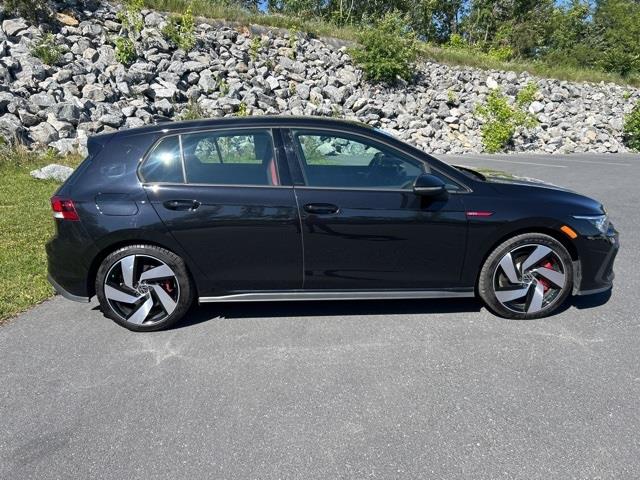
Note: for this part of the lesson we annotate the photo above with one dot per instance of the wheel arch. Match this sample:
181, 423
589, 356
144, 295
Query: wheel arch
555, 234
116, 245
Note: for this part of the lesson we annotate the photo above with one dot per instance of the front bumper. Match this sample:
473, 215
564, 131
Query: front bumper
597, 255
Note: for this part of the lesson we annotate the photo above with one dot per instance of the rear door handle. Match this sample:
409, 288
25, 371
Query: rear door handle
182, 204
321, 208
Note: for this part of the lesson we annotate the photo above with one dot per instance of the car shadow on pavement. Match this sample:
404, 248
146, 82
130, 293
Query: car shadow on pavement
241, 310
591, 301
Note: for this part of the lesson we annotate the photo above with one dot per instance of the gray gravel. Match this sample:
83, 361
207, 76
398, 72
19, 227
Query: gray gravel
419, 389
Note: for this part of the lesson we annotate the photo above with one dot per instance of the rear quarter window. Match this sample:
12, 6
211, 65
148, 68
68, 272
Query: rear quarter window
164, 164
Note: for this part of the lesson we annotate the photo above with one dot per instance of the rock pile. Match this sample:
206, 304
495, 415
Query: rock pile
89, 92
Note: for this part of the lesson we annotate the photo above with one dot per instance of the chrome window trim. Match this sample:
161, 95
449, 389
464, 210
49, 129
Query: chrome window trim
219, 185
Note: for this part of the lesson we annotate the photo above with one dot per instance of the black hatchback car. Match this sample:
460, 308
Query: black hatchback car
286, 208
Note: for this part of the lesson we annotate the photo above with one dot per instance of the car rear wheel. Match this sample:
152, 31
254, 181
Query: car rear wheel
144, 287
528, 276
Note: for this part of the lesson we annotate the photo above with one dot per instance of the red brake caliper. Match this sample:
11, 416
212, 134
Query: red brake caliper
545, 283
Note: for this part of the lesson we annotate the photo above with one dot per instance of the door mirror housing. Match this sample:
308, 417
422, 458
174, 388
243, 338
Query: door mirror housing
429, 185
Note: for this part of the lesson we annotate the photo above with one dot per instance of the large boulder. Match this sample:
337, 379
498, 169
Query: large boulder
52, 172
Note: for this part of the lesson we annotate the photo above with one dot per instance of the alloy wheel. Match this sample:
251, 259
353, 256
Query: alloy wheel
529, 278
141, 289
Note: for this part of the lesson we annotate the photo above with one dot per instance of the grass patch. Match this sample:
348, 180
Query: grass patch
220, 11
25, 226
449, 56
453, 56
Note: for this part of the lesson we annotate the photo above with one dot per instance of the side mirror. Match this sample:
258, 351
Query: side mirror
429, 185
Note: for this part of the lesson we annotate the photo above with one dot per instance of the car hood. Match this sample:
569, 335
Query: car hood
526, 181
547, 194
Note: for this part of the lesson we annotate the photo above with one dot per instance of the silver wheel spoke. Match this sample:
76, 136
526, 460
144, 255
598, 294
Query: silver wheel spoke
535, 304
158, 272
510, 295
139, 315
166, 301
127, 264
509, 268
555, 277
133, 291
538, 254
119, 296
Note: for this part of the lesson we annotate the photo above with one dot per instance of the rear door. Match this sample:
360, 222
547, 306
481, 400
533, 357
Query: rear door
227, 198
363, 226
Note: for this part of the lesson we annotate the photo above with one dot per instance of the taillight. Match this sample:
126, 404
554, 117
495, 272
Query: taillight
64, 208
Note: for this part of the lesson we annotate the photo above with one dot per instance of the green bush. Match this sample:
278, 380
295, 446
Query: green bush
193, 111
632, 128
243, 110
502, 119
502, 54
33, 10
47, 50
125, 51
456, 41
131, 17
388, 50
181, 30
254, 48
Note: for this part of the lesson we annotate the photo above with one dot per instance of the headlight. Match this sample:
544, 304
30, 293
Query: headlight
601, 222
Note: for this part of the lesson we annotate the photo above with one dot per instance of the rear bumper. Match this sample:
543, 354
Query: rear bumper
67, 269
597, 256
65, 293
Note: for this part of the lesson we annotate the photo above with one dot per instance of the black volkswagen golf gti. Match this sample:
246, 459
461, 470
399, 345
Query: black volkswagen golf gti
286, 208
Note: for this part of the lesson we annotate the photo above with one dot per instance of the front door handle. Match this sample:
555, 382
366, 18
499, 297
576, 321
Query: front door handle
182, 205
321, 208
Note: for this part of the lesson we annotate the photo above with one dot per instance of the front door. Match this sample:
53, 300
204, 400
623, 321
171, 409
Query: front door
363, 227
221, 195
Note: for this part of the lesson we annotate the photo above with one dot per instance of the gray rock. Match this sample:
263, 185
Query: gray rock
164, 107
43, 133
94, 92
42, 100
5, 99
443, 110
336, 95
53, 172
112, 119
14, 26
90, 54
11, 128
208, 82
536, 107
65, 146
153, 19
66, 112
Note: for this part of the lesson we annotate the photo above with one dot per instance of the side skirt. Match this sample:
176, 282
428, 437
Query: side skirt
301, 295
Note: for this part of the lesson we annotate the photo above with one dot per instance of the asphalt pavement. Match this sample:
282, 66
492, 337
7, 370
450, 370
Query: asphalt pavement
395, 389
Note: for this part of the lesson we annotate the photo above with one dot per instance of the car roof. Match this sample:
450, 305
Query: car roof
250, 121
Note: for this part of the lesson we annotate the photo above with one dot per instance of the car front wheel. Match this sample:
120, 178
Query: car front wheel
144, 287
528, 276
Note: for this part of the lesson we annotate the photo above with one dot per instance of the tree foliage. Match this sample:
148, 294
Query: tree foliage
387, 49
502, 119
597, 34
632, 128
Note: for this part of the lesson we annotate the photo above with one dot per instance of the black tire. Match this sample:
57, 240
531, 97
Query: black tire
494, 278
178, 288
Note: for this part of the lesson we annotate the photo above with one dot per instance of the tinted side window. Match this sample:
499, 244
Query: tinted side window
164, 163
335, 161
224, 158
